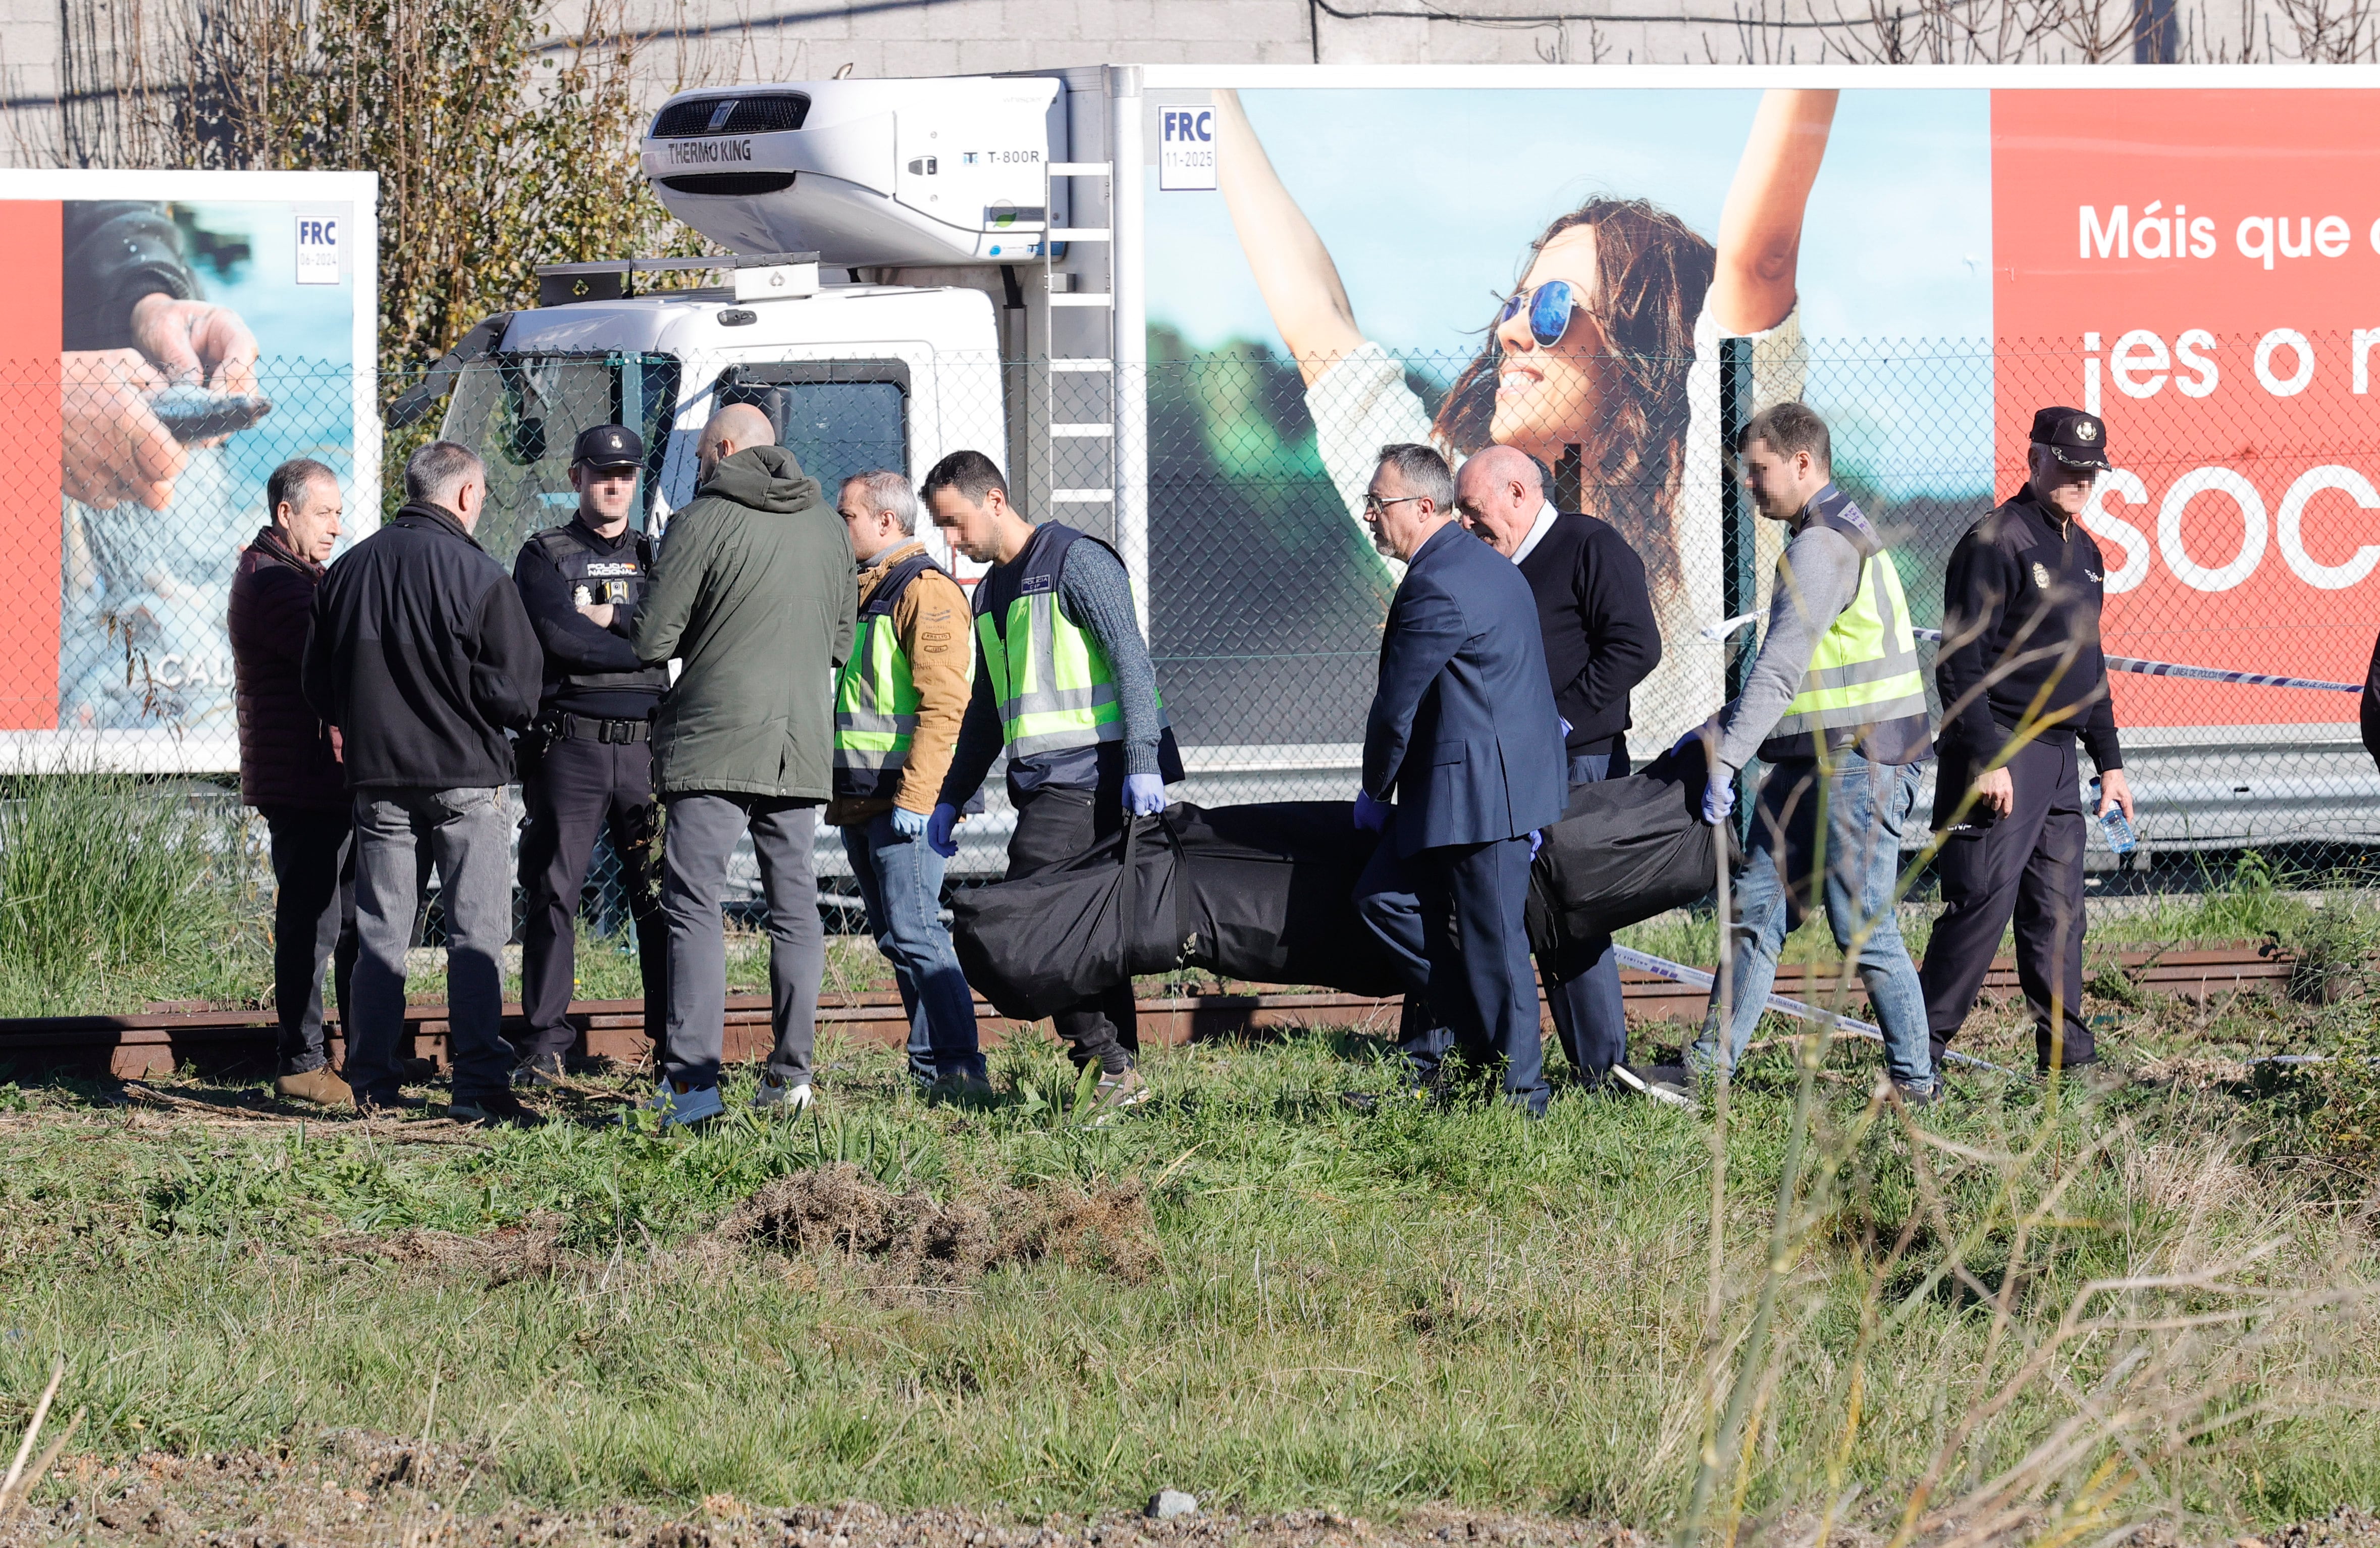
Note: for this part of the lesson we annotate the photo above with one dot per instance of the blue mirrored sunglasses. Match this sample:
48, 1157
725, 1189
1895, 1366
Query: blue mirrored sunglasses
1550, 305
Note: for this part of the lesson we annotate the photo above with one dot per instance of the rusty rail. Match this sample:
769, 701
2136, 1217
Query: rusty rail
163, 1040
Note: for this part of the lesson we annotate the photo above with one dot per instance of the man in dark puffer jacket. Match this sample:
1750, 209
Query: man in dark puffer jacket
289, 771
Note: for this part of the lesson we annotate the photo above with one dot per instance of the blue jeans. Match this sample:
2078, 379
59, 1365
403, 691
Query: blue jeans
1866, 806
901, 881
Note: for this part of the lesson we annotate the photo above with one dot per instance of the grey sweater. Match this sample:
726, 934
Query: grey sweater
1093, 592
1817, 576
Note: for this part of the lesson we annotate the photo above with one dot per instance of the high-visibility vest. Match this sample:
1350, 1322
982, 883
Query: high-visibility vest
1864, 684
1051, 679
875, 702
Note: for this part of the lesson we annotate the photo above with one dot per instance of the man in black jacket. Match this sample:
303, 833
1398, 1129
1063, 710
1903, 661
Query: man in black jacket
2021, 676
587, 764
1601, 639
422, 655
289, 771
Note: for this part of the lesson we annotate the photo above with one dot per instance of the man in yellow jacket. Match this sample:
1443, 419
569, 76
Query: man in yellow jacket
898, 702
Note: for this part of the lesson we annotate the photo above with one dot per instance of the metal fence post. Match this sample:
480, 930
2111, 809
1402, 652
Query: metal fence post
1738, 580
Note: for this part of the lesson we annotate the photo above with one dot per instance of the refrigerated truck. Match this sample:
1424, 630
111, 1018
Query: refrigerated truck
913, 266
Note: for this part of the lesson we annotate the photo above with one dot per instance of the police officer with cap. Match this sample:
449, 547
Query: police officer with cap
586, 762
2021, 680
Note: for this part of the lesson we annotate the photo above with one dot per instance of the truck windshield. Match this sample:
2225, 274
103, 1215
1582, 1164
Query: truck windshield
522, 412
837, 417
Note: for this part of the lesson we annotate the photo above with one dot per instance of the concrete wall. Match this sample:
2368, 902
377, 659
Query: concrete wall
699, 41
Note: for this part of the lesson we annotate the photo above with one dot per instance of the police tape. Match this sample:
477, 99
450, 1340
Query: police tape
1694, 977
1720, 631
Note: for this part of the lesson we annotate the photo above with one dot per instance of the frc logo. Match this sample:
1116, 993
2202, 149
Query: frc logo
318, 249
1185, 149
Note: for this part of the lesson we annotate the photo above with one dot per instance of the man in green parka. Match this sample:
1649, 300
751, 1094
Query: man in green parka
753, 594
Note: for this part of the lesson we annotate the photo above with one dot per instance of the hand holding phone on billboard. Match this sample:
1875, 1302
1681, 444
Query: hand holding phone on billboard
195, 343
114, 448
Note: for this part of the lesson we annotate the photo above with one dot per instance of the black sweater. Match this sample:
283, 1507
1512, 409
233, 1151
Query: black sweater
2022, 596
421, 654
1601, 639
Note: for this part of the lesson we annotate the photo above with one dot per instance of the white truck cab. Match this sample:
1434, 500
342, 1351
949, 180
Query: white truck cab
913, 267
902, 283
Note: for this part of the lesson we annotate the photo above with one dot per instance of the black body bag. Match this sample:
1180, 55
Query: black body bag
1625, 850
1263, 893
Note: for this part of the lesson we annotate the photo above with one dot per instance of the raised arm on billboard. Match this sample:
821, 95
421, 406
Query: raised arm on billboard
1294, 270
1760, 227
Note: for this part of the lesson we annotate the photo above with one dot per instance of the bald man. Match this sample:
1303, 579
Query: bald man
1601, 640
754, 594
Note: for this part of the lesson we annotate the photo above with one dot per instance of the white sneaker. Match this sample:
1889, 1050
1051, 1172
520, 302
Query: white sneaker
681, 1106
774, 1094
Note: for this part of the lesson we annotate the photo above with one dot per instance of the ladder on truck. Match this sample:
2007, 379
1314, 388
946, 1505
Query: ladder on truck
1078, 417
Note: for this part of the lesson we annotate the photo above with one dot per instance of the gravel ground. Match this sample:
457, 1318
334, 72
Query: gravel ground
363, 1488
366, 1489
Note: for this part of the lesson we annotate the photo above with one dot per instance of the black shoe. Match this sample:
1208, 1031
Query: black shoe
1917, 1096
496, 1109
379, 1105
539, 1072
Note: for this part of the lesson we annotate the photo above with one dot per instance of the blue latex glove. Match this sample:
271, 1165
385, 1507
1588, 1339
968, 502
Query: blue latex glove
1371, 816
1536, 841
908, 823
938, 830
1691, 739
1565, 726
1718, 796
1144, 795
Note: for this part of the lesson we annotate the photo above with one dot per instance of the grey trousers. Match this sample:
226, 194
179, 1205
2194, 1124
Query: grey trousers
467, 833
695, 841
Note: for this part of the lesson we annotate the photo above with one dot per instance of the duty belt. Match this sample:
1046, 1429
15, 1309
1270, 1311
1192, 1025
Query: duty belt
565, 726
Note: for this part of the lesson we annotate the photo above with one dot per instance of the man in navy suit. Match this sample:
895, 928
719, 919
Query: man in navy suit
1463, 731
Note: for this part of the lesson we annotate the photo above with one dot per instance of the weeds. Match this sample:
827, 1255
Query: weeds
111, 889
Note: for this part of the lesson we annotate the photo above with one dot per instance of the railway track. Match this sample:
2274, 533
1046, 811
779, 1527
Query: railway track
166, 1038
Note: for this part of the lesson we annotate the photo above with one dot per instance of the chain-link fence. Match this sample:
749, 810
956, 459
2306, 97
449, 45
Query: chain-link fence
2235, 528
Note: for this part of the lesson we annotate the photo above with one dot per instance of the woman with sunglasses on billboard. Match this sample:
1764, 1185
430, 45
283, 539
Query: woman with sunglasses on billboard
1602, 363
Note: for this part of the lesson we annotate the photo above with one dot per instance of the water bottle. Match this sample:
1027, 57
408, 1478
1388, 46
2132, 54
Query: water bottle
2120, 837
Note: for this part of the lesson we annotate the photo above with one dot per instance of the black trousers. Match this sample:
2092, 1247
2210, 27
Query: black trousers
1474, 911
579, 788
1054, 824
2028, 866
313, 921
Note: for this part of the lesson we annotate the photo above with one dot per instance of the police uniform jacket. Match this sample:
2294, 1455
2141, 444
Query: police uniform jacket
2020, 616
589, 670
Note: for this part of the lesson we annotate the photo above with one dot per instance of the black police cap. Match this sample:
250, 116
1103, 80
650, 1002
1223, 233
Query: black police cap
608, 446
2075, 438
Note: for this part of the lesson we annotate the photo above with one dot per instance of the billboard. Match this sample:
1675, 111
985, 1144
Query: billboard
167, 338
1924, 265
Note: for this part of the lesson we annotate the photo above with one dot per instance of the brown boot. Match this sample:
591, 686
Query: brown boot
322, 1087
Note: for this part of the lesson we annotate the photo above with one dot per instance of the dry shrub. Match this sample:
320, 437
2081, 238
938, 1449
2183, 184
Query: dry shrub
914, 1239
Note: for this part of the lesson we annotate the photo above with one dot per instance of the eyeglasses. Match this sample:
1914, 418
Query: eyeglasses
1375, 505
1550, 306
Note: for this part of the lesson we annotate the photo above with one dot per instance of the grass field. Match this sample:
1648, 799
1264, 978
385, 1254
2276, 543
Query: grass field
2029, 1312
2048, 1314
